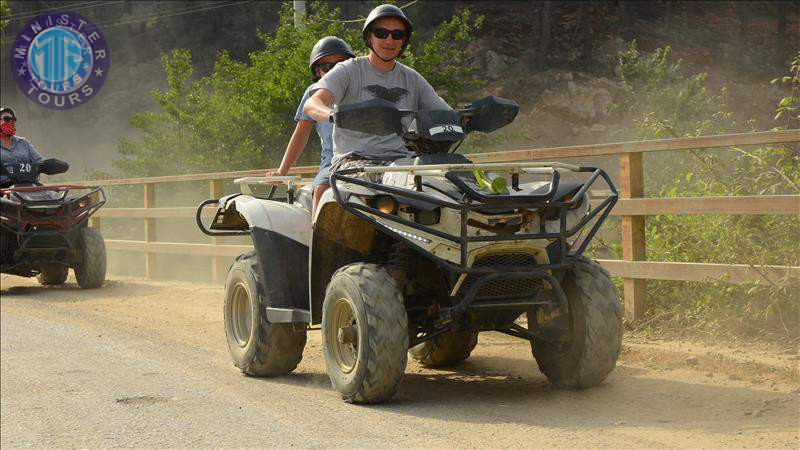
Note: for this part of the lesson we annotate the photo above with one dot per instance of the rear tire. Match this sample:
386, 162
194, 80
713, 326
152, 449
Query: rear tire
52, 274
364, 333
590, 350
258, 348
446, 349
90, 272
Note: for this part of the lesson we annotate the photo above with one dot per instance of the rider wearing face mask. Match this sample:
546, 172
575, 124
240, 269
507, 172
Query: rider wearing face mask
386, 32
16, 153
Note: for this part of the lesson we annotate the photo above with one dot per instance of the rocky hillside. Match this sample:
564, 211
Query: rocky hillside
568, 91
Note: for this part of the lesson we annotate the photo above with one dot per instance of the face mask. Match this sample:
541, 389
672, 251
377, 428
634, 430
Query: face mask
8, 128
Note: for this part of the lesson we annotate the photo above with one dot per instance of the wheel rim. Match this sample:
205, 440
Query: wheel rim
345, 354
241, 315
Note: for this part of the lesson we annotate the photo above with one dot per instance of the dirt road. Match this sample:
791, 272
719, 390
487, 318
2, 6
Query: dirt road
144, 364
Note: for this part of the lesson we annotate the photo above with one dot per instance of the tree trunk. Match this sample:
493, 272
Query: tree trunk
299, 13
624, 13
781, 37
544, 37
744, 18
585, 33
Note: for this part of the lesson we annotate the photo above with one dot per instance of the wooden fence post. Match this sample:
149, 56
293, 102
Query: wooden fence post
94, 222
217, 262
149, 229
631, 172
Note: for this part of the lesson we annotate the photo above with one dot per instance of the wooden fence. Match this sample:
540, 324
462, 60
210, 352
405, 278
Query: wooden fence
632, 208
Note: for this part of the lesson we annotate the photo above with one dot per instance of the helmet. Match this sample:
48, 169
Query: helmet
7, 109
387, 11
329, 45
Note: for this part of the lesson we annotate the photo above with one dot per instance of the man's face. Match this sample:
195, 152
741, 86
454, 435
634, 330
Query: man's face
326, 63
388, 48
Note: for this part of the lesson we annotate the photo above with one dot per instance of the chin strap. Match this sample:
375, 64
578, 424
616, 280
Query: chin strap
369, 45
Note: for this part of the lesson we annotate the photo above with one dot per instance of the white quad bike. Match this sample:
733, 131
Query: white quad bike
422, 262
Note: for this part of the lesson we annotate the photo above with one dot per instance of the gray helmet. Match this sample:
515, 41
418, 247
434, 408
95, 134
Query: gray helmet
382, 11
329, 45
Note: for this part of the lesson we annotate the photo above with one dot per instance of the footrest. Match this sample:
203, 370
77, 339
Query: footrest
288, 315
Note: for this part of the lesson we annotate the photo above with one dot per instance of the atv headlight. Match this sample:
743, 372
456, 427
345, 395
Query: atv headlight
385, 204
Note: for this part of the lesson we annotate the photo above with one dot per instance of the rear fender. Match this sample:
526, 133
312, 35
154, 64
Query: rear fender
280, 234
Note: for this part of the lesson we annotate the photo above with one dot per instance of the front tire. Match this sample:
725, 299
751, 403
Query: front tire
364, 333
258, 347
90, 272
589, 350
52, 274
446, 349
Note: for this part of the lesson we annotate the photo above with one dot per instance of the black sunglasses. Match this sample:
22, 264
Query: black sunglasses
326, 67
9, 119
383, 33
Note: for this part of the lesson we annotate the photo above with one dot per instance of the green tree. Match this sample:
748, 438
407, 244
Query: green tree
5, 11
241, 115
667, 103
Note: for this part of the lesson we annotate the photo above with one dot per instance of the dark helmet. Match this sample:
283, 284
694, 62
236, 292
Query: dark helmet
329, 45
7, 109
387, 11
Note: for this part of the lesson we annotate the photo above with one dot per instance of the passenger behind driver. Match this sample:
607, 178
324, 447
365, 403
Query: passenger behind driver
327, 52
386, 32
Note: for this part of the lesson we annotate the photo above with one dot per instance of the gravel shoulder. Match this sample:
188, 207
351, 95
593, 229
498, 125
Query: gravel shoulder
144, 364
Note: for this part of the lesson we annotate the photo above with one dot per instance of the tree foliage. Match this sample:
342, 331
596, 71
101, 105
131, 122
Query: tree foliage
240, 116
670, 104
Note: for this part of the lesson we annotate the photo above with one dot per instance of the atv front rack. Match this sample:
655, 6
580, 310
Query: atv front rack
47, 221
474, 200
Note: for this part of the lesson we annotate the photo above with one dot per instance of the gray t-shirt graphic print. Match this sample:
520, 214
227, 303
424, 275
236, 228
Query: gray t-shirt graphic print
355, 80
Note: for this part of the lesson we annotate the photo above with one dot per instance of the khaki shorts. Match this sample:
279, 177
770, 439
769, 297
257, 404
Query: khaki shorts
356, 162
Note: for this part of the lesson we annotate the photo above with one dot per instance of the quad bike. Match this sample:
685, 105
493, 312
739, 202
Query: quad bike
421, 262
44, 229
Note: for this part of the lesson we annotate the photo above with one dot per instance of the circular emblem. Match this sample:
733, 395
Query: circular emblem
60, 60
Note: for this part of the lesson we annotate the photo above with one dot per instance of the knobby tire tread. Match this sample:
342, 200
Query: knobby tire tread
602, 340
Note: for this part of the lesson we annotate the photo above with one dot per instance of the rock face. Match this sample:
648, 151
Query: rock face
585, 102
574, 108
495, 63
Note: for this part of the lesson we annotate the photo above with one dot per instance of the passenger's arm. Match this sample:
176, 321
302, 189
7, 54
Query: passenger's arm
295, 147
318, 105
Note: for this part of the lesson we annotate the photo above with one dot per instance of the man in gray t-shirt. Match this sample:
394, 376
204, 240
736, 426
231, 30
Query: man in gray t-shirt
386, 33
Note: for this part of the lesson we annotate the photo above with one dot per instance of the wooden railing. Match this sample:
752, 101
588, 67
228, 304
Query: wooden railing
632, 208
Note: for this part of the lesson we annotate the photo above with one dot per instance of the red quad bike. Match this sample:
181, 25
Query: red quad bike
44, 229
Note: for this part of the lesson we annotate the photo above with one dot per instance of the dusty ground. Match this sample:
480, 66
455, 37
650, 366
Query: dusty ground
144, 364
